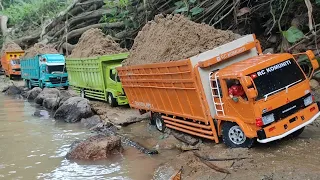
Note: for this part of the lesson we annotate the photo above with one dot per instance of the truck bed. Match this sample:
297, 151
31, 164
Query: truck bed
182, 88
89, 73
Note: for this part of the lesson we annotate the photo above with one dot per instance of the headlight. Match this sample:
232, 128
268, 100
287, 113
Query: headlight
307, 101
268, 119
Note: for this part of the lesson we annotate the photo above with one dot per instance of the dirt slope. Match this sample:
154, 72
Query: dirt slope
174, 38
39, 48
94, 43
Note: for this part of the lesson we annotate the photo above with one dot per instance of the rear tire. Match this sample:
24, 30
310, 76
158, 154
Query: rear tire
112, 101
159, 122
297, 133
234, 137
82, 94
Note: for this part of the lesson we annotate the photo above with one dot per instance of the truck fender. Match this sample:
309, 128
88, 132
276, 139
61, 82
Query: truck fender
246, 128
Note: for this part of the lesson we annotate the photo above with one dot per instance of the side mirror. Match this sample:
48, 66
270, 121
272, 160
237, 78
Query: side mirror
113, 71
246, 81
251, 93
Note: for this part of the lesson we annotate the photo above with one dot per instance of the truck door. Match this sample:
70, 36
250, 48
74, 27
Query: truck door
112, 84
237, 101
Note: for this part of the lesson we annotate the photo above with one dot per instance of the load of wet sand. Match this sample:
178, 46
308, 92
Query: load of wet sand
174, 38
40, 48
94, 42
10, 46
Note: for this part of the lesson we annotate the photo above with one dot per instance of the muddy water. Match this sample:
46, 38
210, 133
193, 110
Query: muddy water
35, 148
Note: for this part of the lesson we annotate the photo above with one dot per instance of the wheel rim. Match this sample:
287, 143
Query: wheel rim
109, 99
236, 135
159, 123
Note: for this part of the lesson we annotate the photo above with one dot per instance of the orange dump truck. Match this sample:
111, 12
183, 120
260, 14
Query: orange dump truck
195, 95
10, 62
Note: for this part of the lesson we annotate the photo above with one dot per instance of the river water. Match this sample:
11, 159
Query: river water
35, 148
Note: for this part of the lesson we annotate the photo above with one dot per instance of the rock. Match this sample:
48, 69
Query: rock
13, 90
33, 93
45, 94
73, 110
64, 96
42, 113
186, 138
268, 51
51, 101
91, 121
130, 120
95, 148
273, 39
314, 84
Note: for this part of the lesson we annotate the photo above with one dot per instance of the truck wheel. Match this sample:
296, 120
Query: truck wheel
153, 120
297, 133
234, 137
10, 77
65, 87
159, 122
82, 93
41, 85
29, 85
112, 101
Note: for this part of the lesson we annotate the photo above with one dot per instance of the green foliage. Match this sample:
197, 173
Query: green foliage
33, 11
119, 12
293, 34
189, 8
318, 2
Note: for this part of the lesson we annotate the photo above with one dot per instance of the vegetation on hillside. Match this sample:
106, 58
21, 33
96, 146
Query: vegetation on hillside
279, 24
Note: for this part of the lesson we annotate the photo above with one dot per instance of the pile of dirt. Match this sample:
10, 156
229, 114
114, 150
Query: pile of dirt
174, 38
10, 46
40, 48
94, 43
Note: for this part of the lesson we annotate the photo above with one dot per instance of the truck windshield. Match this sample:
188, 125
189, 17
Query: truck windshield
55, 69
15, 62
276, 78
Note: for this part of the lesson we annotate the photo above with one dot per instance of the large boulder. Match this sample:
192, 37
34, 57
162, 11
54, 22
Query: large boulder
51, 101
91, 121
95, 148
73, 110
64, 96
33, 93
46, 93
12, 90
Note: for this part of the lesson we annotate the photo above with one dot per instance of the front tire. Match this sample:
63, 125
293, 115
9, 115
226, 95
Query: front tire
234, 137
29, 85
112, 101
41, 85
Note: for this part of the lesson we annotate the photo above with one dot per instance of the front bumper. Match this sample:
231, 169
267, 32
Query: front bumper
50, 85
122, 100
288, 125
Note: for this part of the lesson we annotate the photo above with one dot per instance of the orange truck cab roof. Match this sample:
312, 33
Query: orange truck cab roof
253, 64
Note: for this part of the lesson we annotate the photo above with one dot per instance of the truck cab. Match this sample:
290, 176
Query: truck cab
45, 70
11, 63
277, 99
116, 94
52, 71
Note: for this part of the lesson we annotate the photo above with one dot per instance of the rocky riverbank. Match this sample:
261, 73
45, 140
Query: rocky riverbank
115, 128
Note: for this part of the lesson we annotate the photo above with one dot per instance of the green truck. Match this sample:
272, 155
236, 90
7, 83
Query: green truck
97, 78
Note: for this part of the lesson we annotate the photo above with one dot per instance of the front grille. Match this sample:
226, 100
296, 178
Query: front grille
58, 80
288, 109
